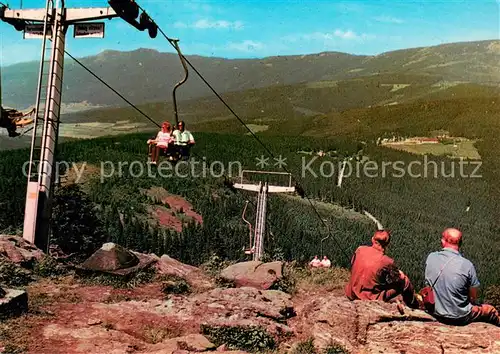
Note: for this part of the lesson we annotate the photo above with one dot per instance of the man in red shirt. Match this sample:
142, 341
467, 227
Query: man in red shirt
374, 275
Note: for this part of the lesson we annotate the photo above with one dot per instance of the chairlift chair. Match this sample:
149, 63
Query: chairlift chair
175, 154
11, 118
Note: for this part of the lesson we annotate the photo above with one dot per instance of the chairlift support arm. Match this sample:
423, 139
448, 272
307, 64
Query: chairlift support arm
175, 43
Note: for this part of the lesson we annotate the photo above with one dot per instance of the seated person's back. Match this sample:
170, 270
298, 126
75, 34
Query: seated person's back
455, 284
367, 262
451, 293
368, 282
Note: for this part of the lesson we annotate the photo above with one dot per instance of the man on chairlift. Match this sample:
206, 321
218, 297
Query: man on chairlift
184, 140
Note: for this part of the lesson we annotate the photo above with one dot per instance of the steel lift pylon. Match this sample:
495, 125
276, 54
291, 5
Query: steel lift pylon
262, 189
54, 21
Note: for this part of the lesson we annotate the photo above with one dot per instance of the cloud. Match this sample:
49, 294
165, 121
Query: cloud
207, 24
336, 35
247, 46
388, 19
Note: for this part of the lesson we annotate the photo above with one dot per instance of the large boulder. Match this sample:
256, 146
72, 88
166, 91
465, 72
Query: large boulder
13, 303
19, 251
115, 259
254, 274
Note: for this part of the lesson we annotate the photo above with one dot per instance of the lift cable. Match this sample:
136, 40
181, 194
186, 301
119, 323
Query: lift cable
112, 89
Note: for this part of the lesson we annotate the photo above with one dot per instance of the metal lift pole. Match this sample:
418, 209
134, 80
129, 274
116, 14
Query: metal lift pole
56, 18
50, 133
262, 189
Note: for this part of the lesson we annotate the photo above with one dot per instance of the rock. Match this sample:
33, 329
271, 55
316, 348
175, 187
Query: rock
20, 251
115, 259
111, 257
14, 303
254, 274
222, 348
94, 322
195, 277
190, 343
378, 327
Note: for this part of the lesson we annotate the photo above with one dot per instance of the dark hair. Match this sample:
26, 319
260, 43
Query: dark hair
388, 276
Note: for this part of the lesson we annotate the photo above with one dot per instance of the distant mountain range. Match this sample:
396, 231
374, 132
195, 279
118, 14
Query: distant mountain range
146, 76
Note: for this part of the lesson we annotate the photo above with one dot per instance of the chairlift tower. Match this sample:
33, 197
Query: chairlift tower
51, 25
262, 190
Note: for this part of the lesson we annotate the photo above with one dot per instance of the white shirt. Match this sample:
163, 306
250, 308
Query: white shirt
325, 263
183, 138
315, 263
163, 139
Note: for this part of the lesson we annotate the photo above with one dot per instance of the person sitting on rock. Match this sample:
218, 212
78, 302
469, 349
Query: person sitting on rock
370, 267
315, 263
325, 262
455, 284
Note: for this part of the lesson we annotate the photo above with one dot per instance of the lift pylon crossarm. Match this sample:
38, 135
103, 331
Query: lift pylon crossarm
71, 15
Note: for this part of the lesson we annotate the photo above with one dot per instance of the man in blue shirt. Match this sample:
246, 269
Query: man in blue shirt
455, 284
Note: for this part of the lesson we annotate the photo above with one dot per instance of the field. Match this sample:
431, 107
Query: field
462, 149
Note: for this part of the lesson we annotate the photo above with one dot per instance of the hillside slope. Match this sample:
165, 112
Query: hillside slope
146, 75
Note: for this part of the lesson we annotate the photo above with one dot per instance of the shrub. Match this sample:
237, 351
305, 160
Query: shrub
214, 265
120, 282
492, 296
336, 348
175, 285
49, 267
305, 347
13, 275
75, 226
252, 338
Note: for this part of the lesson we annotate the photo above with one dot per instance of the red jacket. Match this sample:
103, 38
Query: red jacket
366, 262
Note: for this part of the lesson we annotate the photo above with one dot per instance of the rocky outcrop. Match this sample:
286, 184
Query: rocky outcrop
254, 274
19, 251
195, 277
145, 326
377, 327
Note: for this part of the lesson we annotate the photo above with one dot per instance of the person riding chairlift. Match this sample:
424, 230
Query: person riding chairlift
184, 140
162, 144
12, 119
8, 123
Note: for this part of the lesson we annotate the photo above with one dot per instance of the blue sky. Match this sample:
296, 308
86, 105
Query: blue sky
260, 28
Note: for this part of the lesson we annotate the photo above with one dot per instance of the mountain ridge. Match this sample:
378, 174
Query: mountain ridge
475, 62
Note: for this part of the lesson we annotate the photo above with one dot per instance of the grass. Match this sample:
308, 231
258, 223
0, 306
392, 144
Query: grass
465, 150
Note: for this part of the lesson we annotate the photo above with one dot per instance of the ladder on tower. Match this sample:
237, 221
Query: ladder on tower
262, 189
46, 125
41, 97
260, 227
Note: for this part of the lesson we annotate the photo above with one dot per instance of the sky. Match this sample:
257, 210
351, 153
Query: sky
262, 28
